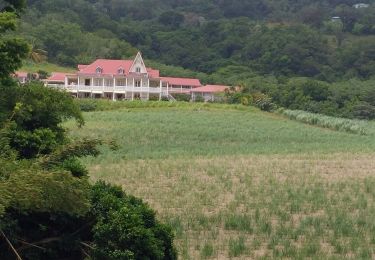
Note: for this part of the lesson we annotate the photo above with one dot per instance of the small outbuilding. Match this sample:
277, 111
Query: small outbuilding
208, 92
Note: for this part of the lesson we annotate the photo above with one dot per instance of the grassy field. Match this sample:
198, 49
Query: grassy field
239, 183
45, 66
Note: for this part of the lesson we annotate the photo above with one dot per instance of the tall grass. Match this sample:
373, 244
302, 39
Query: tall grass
334, 123
88, 105
241, 184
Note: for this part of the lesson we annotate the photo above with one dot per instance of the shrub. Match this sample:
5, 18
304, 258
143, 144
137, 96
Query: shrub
263, 102
182, 97
126, 227
199, 98
87, 105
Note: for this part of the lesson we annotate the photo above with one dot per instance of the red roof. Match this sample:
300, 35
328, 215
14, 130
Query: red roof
109, 67
21, 74
57, 77
81, 66
211, 89
153, 73
182, 81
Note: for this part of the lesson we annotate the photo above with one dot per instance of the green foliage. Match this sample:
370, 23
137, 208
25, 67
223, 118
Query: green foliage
263, 102
182, 97
36, 113
12, 49
207, 36
127, 228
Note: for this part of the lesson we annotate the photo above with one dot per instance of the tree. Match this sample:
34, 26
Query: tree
12, 49
172, 19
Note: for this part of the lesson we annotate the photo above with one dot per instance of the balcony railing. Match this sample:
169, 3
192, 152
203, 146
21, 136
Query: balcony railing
120, 89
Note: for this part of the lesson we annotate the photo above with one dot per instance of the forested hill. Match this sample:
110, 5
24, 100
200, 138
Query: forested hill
276, 37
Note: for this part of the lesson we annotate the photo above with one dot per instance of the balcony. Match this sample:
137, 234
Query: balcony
116, 89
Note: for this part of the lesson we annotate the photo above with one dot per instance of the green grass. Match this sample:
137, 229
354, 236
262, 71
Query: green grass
198, 130
45, 66
240, 183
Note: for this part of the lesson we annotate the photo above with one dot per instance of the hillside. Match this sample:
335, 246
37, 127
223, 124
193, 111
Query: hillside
281, 38
237, 182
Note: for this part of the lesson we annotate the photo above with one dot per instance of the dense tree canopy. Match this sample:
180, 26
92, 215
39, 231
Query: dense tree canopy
206, 35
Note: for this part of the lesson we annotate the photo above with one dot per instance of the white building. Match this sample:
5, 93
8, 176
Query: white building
121, 79
361, 5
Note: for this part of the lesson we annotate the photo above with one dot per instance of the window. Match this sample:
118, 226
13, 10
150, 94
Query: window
137, 83
120, 71
120, 82
98, 82
99, 70
108, 82
138, 69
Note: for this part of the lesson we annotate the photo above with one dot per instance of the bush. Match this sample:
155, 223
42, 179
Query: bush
263, 102
182, 97
364, 110
87, 105
126, 227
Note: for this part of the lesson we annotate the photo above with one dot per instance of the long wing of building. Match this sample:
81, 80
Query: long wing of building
121, 79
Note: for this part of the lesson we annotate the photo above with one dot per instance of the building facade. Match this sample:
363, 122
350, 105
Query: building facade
121, 79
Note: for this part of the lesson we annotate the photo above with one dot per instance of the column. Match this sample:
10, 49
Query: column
92, 84
103, 81
161, 90
78, 87
113, 91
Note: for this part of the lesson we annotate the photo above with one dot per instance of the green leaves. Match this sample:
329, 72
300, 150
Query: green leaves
127, 228
7, 21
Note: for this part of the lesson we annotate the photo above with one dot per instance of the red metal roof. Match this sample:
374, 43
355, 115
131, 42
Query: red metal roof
108, 66
182, 81
81, 66
210, 89
153, 73
57, 77
111, 67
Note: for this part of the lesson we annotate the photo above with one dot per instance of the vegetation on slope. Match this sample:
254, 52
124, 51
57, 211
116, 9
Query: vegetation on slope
270, 44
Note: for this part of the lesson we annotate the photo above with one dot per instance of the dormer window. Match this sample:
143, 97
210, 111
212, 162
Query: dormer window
138, 69
120, 71
99, 70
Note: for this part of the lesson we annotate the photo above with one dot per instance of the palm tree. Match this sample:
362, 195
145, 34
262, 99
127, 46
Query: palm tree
36, 54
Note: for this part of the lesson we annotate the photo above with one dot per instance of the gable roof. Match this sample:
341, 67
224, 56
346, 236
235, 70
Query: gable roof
211, 89
138, 60
56, 77
109, 67
182, 81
